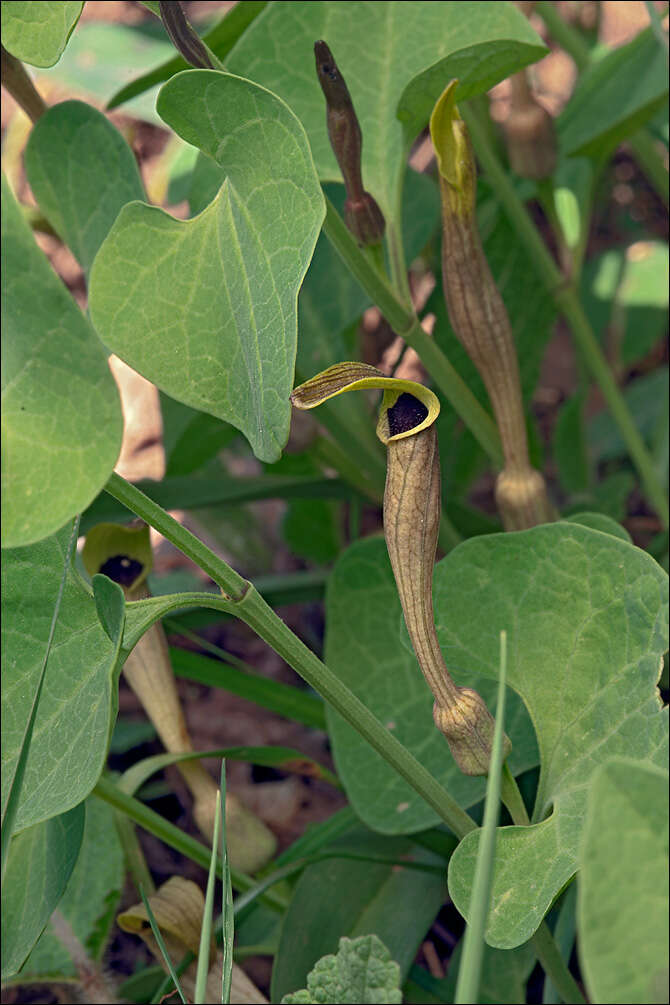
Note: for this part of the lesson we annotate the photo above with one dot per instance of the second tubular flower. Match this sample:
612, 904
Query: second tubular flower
412, 505
479, 318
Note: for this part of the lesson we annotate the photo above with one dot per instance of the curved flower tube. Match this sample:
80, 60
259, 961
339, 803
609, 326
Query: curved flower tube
479, 318
411, 523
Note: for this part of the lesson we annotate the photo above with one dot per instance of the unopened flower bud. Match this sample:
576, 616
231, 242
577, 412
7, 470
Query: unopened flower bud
186, 41
362, 215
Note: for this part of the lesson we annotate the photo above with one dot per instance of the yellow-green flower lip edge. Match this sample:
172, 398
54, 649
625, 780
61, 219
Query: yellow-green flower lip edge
353, 376
447, 141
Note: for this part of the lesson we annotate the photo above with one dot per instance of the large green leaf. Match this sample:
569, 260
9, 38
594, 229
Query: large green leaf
615, 96
207, 308
381, 48
38, 32
586, 616
363, 897
62, 420
39, 865
78, 701
88, 904
368, 648
623, 885
82, 173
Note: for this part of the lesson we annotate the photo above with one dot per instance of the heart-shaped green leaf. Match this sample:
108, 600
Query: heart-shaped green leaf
39, 865
78, 702
380, 49
586, 616
207, 308
368, 648
624, 855
37, 32
62, 421
82, 172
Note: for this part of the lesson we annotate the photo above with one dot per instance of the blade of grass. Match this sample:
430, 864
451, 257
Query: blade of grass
175, 838
291, 702
161, 945
228, 917
469, 974
187, 492
283, 758
12, 804
202, 970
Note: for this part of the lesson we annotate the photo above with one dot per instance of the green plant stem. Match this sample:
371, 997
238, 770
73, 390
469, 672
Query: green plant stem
645, 151
403, 320
563, 33
173, 836
136, 863
247, 604
329, 453
657, 26
555, 967
566, 299
16, 81
512, 798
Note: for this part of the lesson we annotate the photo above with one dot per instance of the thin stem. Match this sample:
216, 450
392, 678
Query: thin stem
403, 320
567, 302
512, 798
175, 838
555, 966
657, 26
564, 34
17, 83
232, 584
645, 151
247, 604
329, 453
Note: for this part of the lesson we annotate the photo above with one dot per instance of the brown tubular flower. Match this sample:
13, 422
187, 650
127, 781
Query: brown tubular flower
124, 554
479, 318
412, 506
529, 133
362, 215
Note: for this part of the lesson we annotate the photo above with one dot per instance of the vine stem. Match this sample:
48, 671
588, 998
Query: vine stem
246, 603
555, 966
405, 323
566, 300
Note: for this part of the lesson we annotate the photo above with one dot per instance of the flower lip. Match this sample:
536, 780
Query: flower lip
398, 418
